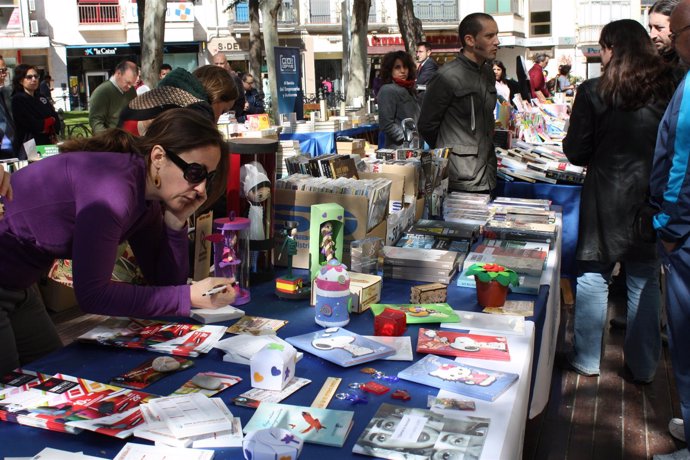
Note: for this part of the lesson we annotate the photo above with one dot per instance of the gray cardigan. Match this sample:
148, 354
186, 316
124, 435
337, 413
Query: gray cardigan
395, 104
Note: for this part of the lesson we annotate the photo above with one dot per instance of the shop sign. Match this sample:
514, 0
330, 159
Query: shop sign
224, 45
100, 51
591, 50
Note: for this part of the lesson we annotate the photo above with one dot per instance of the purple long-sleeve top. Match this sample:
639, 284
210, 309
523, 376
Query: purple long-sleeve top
81, 206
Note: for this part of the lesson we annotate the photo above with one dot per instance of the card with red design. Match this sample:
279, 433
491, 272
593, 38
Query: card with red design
463, 344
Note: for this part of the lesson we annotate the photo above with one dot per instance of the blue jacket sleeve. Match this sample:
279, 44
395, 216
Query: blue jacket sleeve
669, 180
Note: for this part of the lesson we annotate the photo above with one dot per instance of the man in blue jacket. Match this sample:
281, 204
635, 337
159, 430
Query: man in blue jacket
670, 191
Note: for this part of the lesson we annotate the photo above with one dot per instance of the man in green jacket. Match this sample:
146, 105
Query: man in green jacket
108, 100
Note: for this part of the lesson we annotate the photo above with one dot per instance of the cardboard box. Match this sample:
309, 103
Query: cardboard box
396, 200
409, 172
296, 205
365, 289
355, 146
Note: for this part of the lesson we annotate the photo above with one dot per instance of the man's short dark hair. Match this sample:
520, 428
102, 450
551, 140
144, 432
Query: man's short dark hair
472, 25
425, 45
664, 7
124, 66
165, 66
541, 57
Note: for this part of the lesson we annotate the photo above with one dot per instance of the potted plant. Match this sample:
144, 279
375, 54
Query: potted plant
492, 281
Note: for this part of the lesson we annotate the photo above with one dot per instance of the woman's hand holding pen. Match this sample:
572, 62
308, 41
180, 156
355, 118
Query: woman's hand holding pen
213, 292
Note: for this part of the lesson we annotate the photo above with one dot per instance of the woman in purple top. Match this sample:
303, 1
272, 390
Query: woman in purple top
81, 205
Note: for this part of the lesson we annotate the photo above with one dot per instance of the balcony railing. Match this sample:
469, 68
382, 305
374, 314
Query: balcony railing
436, 10
286, 15
99, 14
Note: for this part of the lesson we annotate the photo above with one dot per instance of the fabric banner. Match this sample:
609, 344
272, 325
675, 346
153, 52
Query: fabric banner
289, 75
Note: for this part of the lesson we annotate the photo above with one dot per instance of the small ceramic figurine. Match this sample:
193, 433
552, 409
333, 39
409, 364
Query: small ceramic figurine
257, 190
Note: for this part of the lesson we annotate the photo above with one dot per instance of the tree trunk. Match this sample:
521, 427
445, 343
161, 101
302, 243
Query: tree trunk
357, 74
255, 43
345, 20
152, 40
269, 12
141, 12
410, 27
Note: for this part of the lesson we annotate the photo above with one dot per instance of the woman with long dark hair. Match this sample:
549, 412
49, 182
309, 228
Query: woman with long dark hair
397, 98
613, 131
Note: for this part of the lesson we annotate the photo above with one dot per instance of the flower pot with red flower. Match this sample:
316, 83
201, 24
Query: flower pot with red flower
492, 281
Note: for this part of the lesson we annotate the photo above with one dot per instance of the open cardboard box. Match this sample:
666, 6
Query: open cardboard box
295, 205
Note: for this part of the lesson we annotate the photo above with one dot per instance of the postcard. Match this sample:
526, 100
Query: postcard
397, 432
341, 346
256, 325
421, 312
207, 383
463, 344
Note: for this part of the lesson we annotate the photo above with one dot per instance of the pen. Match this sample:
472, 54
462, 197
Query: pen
215, 290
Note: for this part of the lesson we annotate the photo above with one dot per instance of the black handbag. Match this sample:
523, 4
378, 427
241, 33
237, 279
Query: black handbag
643, 224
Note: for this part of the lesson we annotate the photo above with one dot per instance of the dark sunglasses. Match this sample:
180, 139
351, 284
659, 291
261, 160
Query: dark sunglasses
194, 173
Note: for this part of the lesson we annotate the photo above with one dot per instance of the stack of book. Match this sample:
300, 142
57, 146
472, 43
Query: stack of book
467, 208
428, 265
537, 163
331, 165
527, 259
286, 151
348, 145
439, 234
326, 126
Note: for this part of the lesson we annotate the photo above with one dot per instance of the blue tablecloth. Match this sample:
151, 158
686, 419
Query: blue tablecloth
316, 144
102, 363
566, 196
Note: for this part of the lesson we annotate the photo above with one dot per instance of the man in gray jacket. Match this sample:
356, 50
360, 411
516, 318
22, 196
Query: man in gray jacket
458, 107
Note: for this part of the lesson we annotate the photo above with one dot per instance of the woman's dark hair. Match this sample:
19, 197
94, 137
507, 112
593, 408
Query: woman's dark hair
503, 70
564, 69
217, 82
636, 75
179, 130
19, 74
388, 62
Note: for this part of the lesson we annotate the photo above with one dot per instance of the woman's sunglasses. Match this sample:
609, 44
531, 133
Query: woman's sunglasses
194, 173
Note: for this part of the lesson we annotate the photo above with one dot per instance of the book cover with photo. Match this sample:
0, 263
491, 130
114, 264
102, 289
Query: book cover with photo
341, 346
460, 378
319, 426
463, 345
397, 432
68, 404
159, 336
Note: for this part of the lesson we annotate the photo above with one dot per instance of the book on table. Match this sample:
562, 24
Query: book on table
415, 257
460, 378
319, 426
397, 432
463, 344
340, 346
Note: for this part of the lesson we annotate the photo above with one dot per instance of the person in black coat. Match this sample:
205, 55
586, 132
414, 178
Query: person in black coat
397, 98
426, 68
613, 130
34, 115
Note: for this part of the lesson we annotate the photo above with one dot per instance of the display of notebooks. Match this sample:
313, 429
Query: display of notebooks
159, 336
415, 240
460, 378
69, 404
421, 312
415, 257
463, 345
319, 426
397, 432
341, 346
427, 275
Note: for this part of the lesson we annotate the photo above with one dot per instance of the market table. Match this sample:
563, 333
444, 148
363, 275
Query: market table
531, 358
321, 143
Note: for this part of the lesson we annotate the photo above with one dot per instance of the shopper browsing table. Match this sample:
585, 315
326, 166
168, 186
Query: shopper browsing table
82, 204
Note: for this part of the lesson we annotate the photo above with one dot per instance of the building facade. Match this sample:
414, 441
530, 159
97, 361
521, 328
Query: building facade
79, 41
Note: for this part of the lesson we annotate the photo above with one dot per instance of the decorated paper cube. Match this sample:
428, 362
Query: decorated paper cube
271, 444
390, 323
273, 366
